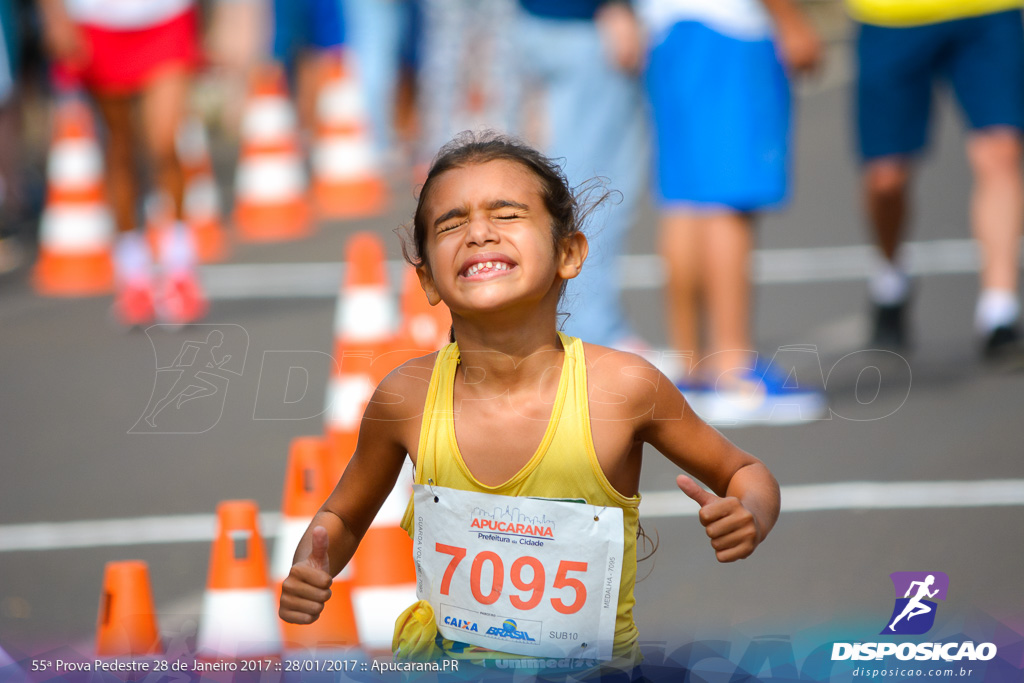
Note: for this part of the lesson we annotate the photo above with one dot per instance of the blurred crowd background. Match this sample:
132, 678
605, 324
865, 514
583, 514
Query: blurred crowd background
683, 105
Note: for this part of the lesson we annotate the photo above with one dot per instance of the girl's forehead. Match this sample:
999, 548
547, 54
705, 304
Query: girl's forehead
488, 180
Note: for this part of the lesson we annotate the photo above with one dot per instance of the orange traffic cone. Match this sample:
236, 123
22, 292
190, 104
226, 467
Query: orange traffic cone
202, 209
270, 184
76, 234
347, 180
365, 323
127, 618
425, 328
384, 581
306, 486
239, 615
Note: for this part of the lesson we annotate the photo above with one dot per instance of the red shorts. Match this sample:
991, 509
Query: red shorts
123, 62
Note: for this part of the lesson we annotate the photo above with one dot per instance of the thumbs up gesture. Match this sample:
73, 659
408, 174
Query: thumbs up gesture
308, 585
731, 527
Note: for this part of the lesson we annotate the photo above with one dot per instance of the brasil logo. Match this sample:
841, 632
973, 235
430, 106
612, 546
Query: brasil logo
508, 630
914, 610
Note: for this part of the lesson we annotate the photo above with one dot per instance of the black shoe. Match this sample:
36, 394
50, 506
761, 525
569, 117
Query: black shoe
890, 330
1002, 343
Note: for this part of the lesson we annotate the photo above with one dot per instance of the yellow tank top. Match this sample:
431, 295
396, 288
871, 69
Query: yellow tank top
920, 12
564, 466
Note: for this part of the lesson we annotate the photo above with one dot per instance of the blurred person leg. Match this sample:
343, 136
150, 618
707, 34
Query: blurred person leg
987, 73
886, 183
983, 58
727, 244
717, 164
375, 30
593, 118
679, 245
441, 90
305, 32
894, 97
162, 109
997, 214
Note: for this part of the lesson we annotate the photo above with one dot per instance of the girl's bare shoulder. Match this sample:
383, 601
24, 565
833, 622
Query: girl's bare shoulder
620, 381
403, 392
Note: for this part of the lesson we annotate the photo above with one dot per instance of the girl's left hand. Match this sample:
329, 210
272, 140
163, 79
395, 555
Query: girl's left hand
731, 527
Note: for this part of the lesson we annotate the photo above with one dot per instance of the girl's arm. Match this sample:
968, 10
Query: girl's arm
745, 500
334, 534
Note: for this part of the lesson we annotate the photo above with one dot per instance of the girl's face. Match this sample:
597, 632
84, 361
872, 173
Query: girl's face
489, 242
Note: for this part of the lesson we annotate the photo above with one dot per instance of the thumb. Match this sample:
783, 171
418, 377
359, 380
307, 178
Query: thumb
694, 491
318, 555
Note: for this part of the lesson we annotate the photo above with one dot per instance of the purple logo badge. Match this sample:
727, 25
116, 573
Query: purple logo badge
916, 592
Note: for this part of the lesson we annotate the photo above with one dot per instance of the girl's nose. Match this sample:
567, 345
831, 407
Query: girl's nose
481, 231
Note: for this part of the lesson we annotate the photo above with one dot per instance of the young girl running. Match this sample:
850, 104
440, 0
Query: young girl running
526, 443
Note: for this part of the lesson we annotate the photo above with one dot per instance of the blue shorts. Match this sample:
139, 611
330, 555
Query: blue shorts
306, 24
981, 57
722, 131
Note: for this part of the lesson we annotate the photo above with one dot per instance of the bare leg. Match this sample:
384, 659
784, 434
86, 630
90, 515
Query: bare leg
122, 188
680, 245
997, 205
727, 243
163, 106
885, 195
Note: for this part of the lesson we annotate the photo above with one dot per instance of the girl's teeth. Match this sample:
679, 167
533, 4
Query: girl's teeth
488, 265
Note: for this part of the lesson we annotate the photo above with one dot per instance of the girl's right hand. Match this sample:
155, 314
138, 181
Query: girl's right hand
308, 585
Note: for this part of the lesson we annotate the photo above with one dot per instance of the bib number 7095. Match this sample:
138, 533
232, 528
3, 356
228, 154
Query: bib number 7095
532, 584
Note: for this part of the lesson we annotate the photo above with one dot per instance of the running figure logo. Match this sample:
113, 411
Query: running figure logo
190, 391
914, 611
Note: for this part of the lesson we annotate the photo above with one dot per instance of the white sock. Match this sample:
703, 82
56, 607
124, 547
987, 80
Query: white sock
890, 284
996, 308
177, 250
132, 260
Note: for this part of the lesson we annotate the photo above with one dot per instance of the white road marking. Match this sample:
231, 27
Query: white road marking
802, 498
639, 271
864, 495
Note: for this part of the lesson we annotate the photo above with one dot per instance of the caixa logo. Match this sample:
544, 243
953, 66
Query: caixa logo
913, 613
461, 623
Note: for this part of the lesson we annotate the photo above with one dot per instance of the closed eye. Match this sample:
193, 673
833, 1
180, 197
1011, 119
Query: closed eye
452, 226
508, 217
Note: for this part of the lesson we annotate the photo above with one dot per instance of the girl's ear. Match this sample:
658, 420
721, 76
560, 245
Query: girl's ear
427, 284
573, 254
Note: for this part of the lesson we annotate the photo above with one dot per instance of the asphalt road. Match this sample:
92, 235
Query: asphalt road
74, 386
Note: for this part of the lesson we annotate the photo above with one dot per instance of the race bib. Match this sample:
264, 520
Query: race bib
527, 576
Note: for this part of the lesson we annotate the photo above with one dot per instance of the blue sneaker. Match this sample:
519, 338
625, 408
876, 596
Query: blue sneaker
762, 396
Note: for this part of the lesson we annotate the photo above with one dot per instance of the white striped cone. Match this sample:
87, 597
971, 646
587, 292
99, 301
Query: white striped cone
385, 576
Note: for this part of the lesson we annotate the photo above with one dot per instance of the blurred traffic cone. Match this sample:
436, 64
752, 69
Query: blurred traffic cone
270, 184
365, 324
347, 179
239, 615
76, 233
425, 328
127, 618
306, 486
384, 582
202, 209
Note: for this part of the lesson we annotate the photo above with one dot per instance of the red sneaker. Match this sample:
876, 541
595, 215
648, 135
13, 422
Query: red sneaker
133, 304
182, 300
